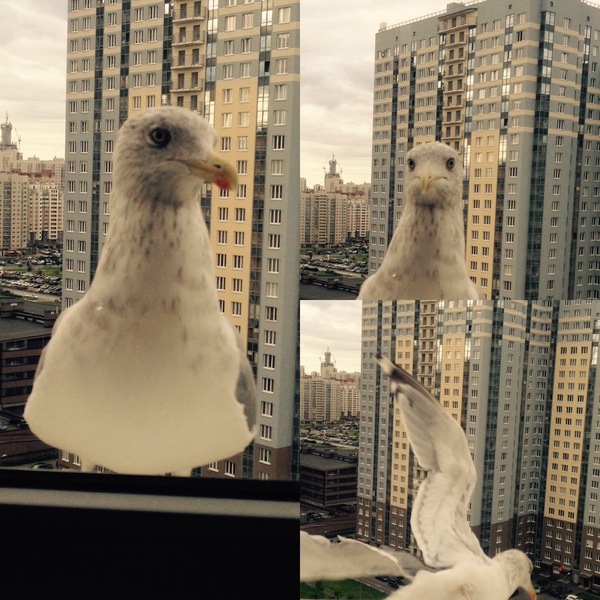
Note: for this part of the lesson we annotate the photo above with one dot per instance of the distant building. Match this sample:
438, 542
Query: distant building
328, 395
328, 479
14, 211
335, 212
25, 330
31, 207
46, 211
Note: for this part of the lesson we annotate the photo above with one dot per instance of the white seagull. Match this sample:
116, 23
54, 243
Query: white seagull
439, 516
426, 257
144, 374
456, 567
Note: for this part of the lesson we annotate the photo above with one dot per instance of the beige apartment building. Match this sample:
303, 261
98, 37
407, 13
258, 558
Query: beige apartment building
237, 64
521, 379
514, 88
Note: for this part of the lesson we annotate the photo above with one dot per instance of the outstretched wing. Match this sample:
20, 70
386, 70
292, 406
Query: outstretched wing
439, 517
322, 559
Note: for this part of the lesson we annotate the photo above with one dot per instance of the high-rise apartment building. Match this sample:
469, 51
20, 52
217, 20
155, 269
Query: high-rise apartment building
515, 87
521, 379
236, 62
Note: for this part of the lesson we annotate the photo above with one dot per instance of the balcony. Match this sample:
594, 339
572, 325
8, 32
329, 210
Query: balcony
189, 16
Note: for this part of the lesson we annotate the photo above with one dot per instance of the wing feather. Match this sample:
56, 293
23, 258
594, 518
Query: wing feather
322, 559
439, 517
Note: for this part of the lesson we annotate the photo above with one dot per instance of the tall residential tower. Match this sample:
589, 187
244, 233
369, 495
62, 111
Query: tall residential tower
522, 380
236, 63
515, 87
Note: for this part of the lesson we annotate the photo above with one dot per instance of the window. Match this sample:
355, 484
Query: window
264, 456
284, 15
247, 20
266, 432
275, 216
271, 289
281, 66
268, 385
230, 23
280, 91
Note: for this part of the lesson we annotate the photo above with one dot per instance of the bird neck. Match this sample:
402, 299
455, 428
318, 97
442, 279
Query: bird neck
424, 233
152, 245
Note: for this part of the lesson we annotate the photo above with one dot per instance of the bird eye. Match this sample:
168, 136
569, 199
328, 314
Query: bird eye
160, 137
450, 163
411, 164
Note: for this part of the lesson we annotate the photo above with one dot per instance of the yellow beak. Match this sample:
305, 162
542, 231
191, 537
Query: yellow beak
427, 181
215, 170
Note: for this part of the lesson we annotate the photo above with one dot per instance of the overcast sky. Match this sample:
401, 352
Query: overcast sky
337, 62
330, 323
32, 72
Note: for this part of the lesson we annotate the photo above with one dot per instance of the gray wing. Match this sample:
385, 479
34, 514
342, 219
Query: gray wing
245, 391
439, 517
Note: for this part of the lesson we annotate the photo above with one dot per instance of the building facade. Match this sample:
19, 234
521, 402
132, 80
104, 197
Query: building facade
237, 64
521, 379
514, 88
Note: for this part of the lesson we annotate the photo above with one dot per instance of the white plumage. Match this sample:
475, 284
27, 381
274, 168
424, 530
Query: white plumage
456, 567
426, 256
144, 374
322, 559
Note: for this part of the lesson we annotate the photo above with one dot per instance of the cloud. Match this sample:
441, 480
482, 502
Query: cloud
333, 324
32, 68
337, 62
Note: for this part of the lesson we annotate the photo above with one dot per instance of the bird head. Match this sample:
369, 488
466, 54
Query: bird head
434, 176
519, 569
171, 149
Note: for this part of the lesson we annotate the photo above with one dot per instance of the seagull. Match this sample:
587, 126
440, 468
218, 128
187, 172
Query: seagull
426, 257
144, 375
439, 515
455, 566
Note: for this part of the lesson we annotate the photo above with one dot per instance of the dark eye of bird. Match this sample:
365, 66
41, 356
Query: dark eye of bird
450, 163
160, 137
411, 164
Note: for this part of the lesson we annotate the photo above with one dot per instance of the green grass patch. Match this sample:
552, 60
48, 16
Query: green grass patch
348, 589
